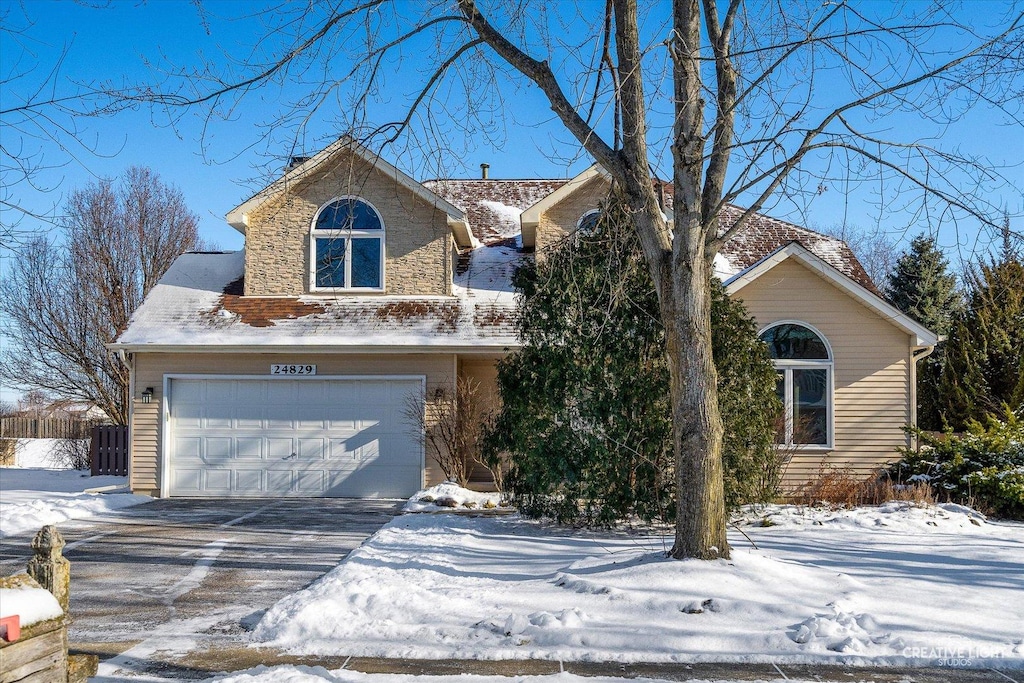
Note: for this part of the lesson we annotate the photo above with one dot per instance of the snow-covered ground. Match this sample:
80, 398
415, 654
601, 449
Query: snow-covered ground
887, 585
305, 674
34, 497
38, 453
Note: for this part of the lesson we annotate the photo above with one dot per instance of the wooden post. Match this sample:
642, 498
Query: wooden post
49, 567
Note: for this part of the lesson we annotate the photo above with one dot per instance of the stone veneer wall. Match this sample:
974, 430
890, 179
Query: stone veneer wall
561, 219
417, 237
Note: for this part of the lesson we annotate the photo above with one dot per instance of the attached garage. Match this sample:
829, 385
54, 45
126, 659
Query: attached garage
285, 436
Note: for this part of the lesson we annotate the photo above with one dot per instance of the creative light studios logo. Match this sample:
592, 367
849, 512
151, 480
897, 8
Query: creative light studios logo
956, 652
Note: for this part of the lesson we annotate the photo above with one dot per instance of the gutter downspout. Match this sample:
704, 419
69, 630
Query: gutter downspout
918, 353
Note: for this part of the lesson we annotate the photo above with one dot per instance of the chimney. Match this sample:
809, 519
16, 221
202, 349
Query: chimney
483, 170
295, 161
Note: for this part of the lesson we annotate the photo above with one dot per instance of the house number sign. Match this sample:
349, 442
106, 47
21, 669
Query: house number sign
276, 369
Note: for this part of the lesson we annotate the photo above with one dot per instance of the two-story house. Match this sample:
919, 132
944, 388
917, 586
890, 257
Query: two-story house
285, 369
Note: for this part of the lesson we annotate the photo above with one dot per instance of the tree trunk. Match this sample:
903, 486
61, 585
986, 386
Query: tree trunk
696, 422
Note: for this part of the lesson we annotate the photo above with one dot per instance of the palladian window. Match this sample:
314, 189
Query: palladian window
803, 361
347, 245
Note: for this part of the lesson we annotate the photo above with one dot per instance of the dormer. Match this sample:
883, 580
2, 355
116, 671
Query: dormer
563, 211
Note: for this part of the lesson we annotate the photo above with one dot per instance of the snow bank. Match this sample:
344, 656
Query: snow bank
32, 498
306, 674
848, 591
897, 517
450, 497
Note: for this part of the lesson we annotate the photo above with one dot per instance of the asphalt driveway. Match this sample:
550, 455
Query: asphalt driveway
156, 586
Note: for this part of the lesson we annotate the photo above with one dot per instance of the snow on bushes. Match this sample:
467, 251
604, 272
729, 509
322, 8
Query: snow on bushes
983, 468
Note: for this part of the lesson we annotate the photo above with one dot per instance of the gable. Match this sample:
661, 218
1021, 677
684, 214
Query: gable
416, 237
774, 267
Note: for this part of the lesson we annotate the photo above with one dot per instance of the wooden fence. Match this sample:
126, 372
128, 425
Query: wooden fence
109, 451
44, 428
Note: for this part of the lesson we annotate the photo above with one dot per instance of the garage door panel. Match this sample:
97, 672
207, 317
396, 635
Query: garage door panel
249, 448
187, 480
280, 393
310, 482
279, 482
217, 481
217, 448
249, 481
311, 449
187, 448
311, 417
306, 437
188, 414
279, 448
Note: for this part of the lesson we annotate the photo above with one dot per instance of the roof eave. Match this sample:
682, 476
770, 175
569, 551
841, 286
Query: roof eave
465, 347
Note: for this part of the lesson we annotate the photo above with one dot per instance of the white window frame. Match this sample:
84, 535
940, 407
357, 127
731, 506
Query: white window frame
579, 223
787, 367
348, 236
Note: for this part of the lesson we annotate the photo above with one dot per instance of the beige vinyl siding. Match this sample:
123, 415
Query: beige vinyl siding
150, 369
417, 237
871, 364
484, 371
561, 219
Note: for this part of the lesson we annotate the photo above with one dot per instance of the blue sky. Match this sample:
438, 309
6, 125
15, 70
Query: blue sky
217, 164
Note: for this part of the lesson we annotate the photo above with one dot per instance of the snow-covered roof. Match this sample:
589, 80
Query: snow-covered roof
494, 207
763, 235
199, 303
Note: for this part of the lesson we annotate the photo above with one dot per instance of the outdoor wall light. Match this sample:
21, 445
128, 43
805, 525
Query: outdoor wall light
147, 395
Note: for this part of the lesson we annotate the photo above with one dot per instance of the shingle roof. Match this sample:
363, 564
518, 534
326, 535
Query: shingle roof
198, 302
493, 206
763, 235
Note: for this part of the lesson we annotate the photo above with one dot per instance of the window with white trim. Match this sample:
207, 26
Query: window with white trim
587, 223
803, 361
347, 247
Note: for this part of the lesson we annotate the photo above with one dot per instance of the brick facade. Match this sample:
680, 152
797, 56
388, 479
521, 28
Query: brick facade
417, 238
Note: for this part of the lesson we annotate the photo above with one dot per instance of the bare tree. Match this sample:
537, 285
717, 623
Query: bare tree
64, 301
42, 114
454, 423
752, 103
876, 250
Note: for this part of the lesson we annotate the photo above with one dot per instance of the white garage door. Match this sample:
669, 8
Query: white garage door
293, 437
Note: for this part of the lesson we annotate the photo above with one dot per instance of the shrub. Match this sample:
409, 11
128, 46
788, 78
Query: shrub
983, 467
839, 487
72, 454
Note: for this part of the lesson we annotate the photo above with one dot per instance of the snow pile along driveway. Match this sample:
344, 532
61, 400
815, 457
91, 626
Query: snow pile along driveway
32, 498
924, 586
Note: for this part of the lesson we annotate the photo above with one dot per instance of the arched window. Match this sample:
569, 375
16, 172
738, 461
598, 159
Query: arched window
347, 245
587, 223
803, 361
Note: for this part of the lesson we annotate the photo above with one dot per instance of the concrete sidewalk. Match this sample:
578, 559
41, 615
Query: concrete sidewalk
198, 665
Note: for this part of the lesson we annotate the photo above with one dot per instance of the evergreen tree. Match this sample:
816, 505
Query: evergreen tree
586, 412
922, 287
985, 353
